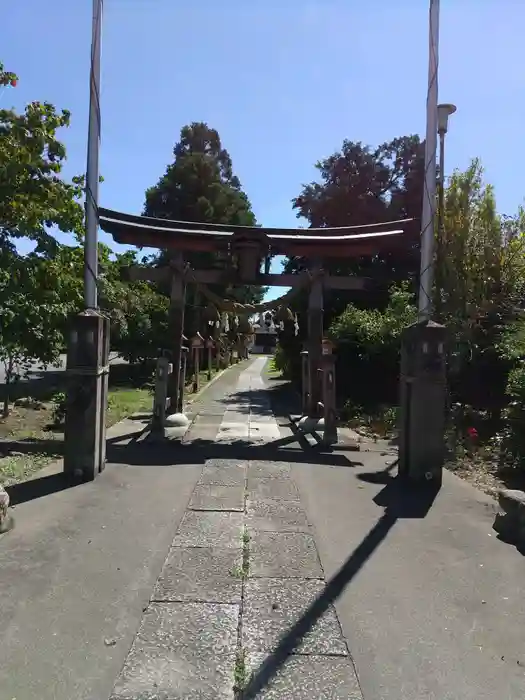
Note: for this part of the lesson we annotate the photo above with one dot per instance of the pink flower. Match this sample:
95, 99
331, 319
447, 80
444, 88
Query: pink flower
472, 433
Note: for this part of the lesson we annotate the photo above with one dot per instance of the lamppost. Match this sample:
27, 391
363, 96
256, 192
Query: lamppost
444, 111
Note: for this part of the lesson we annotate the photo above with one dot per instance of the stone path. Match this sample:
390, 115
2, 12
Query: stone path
225, 567
235, 411
242, 571
249, 415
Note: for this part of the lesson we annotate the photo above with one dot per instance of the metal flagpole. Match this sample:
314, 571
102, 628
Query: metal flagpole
92, 169
429, 190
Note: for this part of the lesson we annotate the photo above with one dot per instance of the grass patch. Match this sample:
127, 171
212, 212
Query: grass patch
18, 467
272, 366
34, 423
124, 402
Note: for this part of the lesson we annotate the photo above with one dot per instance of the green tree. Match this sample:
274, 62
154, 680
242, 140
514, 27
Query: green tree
38, 294
200, 186
138, 312
33, 195
363, 185
482, 281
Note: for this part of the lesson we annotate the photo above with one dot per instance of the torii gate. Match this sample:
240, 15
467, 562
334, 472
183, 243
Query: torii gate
247, 249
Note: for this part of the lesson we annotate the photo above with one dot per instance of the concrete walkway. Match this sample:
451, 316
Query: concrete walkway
234, 559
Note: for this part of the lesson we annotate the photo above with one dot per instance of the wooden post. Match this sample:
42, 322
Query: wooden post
315, 340
176, 328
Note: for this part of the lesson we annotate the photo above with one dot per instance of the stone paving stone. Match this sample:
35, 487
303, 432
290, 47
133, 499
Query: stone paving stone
209, 529
309, 678
182, 651
268, 470
276, 516
283, 555
217, 497
234, 430
279, 489
200, 574
226, 472
272, 607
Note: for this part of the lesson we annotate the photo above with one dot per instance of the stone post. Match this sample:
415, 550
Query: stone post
163, 370
209, 347
197, 343
329, 395
218, 355
304, 382
86, 396
423, 399
182, 381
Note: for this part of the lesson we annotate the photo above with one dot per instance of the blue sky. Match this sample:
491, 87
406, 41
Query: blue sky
283, 82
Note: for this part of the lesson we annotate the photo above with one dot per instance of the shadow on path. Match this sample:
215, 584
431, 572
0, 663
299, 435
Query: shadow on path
399, 501
39, 487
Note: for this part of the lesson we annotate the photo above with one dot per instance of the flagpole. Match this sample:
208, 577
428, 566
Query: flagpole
92, 168
428, 214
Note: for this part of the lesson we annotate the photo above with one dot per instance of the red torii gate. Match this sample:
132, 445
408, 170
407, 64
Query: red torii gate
247, 248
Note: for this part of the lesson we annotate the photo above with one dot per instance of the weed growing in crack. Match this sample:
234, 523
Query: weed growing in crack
240, 674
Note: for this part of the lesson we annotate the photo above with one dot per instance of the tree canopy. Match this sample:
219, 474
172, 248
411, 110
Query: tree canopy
33, 195
364, 185
199, 185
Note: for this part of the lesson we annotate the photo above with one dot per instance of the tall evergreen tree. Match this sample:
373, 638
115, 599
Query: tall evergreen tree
200, 186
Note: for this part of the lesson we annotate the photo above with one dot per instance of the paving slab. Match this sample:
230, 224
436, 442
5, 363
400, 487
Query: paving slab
210, 529
182, 650
276, 516
233, 430
268, 470
76, 573
217, 497
283, 555
200, 574
309, 678
226, 472
272, 607
280, 489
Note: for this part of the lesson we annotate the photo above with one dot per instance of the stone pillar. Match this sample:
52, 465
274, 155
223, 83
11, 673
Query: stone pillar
176, 328
304, 382
104, 389
329, 399
218, 355
182, 381
197, 343
163, 370
423, 394
86, 396
209, 348
315, 339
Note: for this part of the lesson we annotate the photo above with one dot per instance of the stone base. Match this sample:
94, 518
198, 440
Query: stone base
307, 424
177, 420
